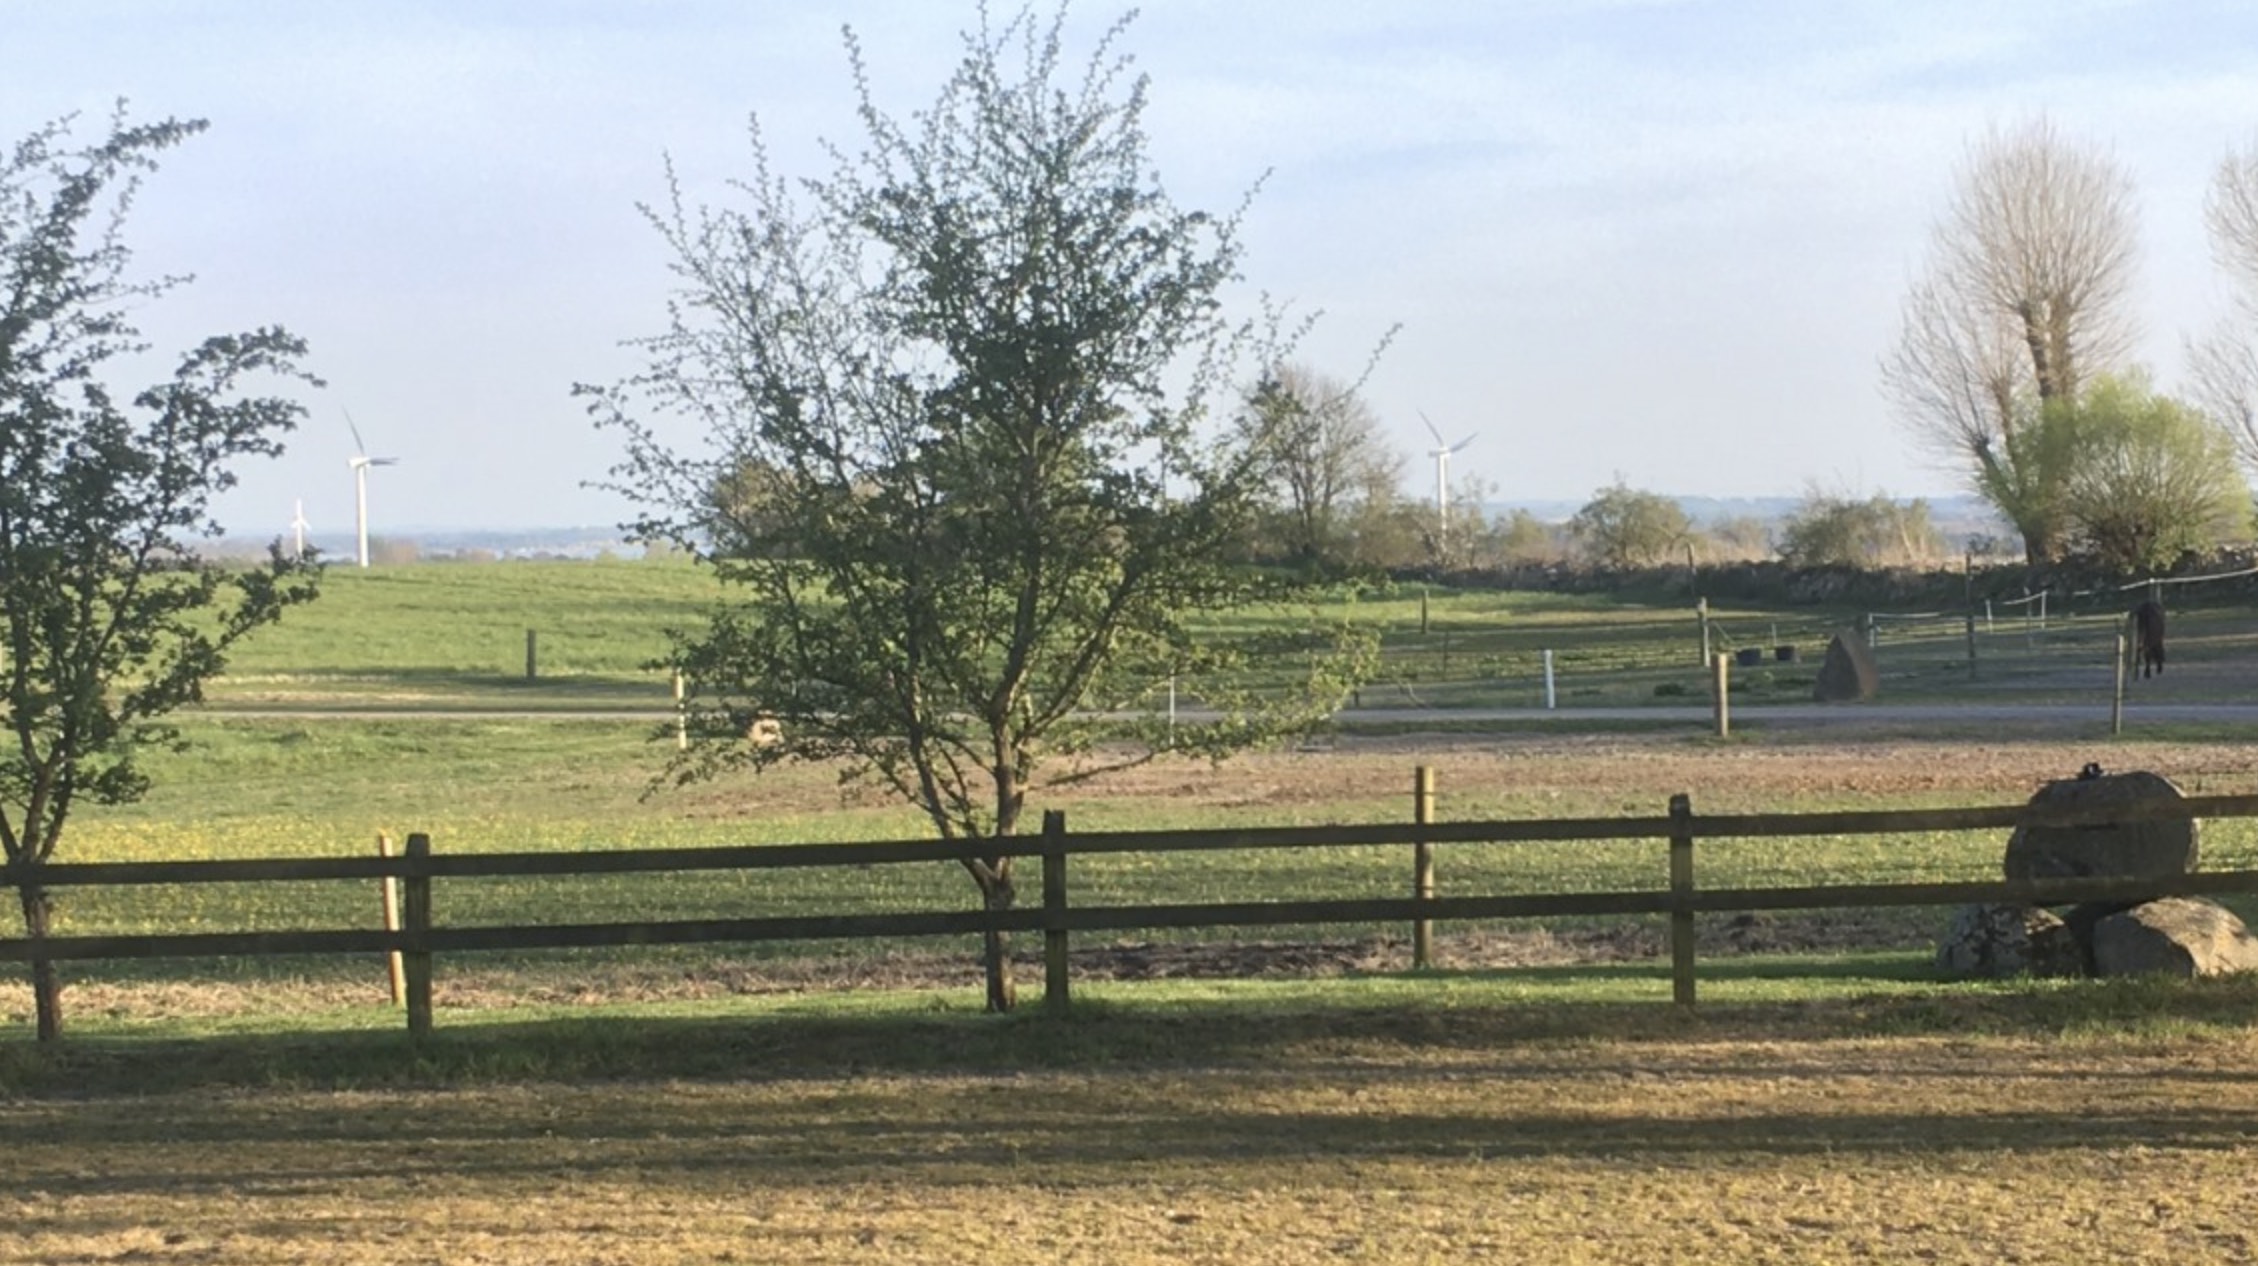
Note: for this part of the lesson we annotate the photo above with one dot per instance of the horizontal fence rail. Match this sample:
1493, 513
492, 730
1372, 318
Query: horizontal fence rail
418, 939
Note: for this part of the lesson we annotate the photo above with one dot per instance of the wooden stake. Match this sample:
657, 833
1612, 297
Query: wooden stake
2117, 693
392, 967
1681, 892
1720, 691
1423, 866
1054, 912
415, 913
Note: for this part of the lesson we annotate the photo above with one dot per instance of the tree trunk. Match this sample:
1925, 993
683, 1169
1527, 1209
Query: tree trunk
46, 985
997, 894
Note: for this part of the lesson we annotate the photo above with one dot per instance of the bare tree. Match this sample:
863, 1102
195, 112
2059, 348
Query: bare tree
2224, 366
1330, 457
2026, 295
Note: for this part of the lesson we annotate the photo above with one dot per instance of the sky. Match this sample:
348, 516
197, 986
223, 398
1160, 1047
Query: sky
1651, 240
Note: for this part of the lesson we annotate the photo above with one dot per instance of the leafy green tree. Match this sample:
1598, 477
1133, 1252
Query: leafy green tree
970, 374
1626, 527
111, 618
2153, 477
1830, 530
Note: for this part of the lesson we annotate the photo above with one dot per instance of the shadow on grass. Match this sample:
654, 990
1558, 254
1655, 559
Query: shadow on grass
1310, 1027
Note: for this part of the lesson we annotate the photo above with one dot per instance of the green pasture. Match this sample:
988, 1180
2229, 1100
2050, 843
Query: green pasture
313, 779
254, 787
453, 636
437, 635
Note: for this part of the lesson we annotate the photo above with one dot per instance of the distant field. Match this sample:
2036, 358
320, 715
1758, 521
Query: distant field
453, 635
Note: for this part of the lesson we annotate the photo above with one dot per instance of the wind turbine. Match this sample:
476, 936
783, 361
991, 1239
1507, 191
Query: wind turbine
298, 526
360, 463
1441, 453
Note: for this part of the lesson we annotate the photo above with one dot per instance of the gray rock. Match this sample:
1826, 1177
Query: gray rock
1993, 942
2141, 849
2181, 936
1849, 674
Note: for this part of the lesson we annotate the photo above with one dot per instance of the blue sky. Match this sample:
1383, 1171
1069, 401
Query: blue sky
1661, 240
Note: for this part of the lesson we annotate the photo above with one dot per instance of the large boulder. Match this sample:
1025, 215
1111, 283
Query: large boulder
2181, 936
1993, 942
2132, 848
1849, 674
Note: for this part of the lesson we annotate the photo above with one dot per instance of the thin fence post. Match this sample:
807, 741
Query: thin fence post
1701, 612
1971, 641
1720, 690
1054, 911
681, 716
532, 659
1681, 893
415, 911
392, 968
1423, 866
2117, 692
1552, 700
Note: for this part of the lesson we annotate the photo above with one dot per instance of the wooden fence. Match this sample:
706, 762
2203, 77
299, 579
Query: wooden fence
417, 941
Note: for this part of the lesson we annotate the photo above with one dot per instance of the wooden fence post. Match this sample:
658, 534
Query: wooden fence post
532, 661
415, 911
1423, 866
1701, 612
392, 969
681, 716
1054, 911
1720, 690
2117, 693
1971, 642
1681, 890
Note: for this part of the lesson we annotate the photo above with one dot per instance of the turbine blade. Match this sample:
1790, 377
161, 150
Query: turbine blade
1431, 427
359, 446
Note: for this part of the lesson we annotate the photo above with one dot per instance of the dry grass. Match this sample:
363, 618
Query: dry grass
1485, 1135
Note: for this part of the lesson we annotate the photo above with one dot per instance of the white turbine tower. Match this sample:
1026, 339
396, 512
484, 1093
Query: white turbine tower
298, 526
360, 463
1441, 453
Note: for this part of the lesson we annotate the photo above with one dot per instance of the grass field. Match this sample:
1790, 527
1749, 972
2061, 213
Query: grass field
1267, 1098
453, 636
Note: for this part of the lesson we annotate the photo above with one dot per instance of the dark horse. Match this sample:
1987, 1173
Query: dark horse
2148, 637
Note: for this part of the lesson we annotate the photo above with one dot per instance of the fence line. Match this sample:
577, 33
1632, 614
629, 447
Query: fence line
418, 940
2158, 581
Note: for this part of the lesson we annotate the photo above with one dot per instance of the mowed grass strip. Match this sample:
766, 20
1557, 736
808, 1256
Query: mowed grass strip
1250, 1124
